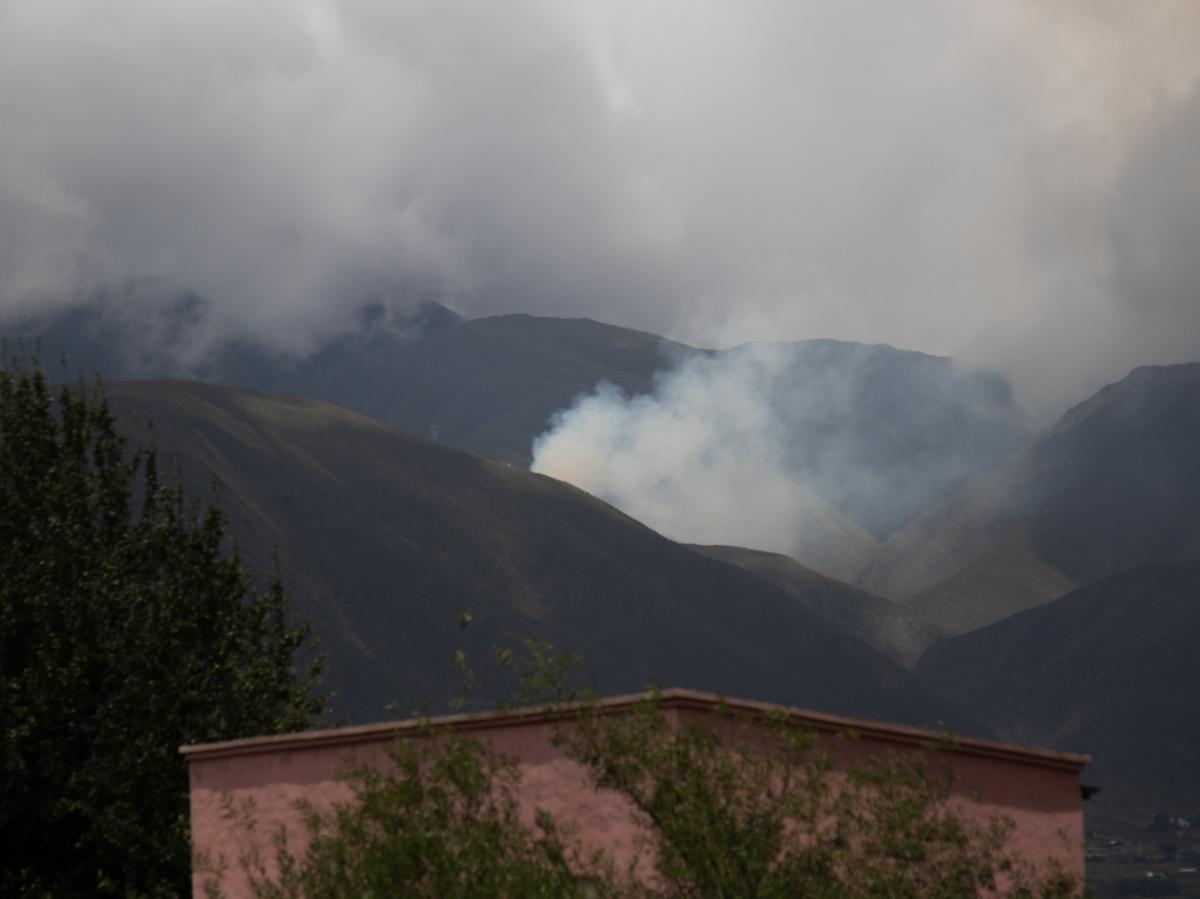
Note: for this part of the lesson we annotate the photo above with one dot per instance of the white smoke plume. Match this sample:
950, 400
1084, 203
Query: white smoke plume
703, 459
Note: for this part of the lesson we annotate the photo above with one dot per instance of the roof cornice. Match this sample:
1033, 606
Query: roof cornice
675, 698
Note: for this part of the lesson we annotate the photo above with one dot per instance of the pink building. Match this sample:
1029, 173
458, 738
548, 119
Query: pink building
1038, 790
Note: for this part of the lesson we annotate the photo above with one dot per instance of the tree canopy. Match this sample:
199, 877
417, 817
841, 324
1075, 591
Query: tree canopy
128, 626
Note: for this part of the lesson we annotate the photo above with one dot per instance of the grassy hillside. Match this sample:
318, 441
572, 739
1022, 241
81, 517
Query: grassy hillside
879, 622
384, 537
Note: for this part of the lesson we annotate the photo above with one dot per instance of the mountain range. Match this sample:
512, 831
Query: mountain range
1041, 587
879, 433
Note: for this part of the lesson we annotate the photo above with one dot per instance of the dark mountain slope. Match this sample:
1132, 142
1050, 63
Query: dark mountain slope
1111, 669
384, 537
490, 385
878, 622
1114, 484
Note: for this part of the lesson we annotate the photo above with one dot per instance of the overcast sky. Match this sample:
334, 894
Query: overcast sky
1016, 184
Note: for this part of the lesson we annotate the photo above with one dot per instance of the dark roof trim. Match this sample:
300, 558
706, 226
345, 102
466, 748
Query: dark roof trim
676, 698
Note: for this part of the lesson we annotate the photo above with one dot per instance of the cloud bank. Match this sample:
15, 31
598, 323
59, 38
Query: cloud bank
1016, 184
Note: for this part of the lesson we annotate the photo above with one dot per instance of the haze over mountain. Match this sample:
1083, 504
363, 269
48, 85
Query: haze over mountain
752, 445
1112, 485
384, 538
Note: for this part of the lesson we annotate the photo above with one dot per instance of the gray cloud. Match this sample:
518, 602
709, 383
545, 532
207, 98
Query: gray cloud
1010, 183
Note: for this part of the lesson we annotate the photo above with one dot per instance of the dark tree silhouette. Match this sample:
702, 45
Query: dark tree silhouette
127, 627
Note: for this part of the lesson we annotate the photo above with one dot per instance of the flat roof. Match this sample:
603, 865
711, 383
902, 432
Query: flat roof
675, 698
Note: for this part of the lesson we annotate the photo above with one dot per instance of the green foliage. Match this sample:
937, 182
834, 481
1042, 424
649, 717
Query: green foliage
739, 806
753, 806
126, 629
442, 823
534, 672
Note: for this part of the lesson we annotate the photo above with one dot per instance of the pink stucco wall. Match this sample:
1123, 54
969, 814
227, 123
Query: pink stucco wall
266, 777
275, 780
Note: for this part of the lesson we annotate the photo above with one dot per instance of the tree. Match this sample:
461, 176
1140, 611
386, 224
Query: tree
127, 628
757, 810
442, 822
760, 810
